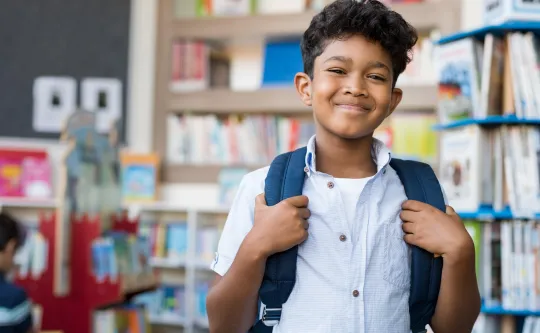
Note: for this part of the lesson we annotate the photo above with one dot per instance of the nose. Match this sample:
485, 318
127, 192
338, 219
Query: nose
356, 87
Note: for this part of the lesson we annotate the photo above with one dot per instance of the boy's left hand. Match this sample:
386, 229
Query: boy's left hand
435, 231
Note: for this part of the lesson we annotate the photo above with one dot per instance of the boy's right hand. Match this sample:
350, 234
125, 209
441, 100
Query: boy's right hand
280, 227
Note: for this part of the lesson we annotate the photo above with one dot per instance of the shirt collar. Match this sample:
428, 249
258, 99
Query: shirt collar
380, 153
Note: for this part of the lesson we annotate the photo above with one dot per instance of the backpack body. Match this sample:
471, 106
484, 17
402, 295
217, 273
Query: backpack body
285, 179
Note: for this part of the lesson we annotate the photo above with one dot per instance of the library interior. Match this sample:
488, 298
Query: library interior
99, 252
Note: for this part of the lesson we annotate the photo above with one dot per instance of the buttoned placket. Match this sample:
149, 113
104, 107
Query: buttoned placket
355, 280
326, 183
346, 243
358, 305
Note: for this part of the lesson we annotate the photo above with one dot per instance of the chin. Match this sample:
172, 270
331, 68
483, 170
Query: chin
349, 133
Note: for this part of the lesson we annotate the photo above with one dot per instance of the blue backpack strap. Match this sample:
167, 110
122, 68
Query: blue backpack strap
421, 184
285, 179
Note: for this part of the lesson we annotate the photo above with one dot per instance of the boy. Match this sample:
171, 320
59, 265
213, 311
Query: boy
15, 307
353, 221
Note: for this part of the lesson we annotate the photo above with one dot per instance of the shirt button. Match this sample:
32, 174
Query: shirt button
355, 293
306, 169
342, 238
330, 185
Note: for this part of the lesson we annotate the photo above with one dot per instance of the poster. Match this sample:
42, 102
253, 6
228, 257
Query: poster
55, 98
103, 96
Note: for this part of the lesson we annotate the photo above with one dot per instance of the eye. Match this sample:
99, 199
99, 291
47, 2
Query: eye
377, 77
337, 71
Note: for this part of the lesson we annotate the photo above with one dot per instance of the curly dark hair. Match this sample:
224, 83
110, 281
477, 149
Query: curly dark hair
369, 18
10, 229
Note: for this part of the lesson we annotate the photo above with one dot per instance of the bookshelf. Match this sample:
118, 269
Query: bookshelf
502, 213
191, 270
80, 253
445, 16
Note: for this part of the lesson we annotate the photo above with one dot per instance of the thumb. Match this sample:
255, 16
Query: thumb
452, 213
260, 200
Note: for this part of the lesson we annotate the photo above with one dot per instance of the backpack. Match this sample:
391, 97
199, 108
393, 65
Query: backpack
285, 179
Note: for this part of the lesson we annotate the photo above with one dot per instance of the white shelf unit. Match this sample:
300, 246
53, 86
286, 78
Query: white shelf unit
28, 203
189, 269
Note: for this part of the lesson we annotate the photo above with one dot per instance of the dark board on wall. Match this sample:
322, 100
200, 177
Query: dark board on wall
58, 38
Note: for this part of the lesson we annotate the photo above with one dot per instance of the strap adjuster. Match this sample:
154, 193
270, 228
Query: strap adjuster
271, 316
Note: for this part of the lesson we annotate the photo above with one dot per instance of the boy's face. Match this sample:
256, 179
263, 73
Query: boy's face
7, 256
351, 91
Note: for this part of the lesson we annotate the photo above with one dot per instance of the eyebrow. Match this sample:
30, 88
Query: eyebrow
378, 64
374, 64
339, 58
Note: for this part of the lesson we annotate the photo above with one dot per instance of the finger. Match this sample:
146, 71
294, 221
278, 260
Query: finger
408, 227
414, 205
408, 216
304, 213
450, 210
260, 200
305, 224
299, 201
306, 235
410, 239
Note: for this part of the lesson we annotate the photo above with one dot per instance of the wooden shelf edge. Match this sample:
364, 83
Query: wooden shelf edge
423, 16
280, 100
227, 101
193, 173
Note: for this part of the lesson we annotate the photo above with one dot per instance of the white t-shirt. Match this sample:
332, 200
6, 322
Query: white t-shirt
350, 190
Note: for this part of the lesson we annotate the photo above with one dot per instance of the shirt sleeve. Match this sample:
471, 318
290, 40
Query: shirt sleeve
17, 314
239, 220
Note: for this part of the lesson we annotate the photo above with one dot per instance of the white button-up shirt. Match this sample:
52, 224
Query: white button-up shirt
353, 271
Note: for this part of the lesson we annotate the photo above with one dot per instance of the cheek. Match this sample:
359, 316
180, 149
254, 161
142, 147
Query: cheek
326, 88
383, 97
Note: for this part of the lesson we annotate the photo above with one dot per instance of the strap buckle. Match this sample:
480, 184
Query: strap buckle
271, 316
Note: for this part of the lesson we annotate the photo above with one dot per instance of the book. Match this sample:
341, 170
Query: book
139, 177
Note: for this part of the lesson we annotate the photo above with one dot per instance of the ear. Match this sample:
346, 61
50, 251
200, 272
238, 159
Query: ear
302, 82
397, 94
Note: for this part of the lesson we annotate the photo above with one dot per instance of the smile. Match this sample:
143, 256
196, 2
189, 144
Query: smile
354, 108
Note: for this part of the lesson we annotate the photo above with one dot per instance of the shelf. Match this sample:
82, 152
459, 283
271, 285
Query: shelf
486, 212
499, 30
218, 210
193, 173
167, 319
498, 310
153, 207
489, 121
167, 262
202, 264
28, 203
275, 100
202, 322
294, 24
281, 100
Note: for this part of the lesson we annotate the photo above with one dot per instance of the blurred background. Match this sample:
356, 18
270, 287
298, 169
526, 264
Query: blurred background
126, 126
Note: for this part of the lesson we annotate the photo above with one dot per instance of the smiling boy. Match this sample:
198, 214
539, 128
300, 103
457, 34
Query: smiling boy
353, 223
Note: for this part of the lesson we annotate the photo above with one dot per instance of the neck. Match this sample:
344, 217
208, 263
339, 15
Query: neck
344, 158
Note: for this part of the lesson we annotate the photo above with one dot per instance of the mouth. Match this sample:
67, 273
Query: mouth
355, 107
